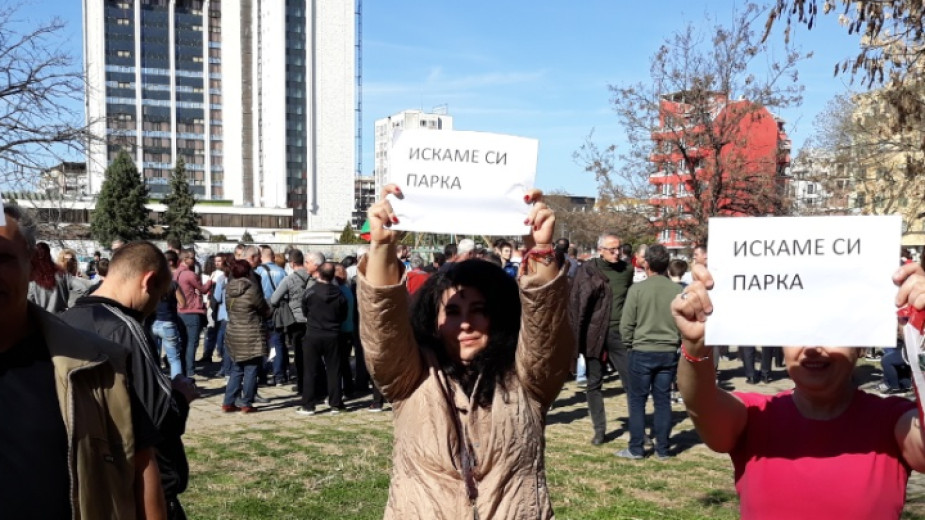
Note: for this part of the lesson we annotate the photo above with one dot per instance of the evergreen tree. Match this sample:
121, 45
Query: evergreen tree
246, 237
182, 223
348, 236
120, 209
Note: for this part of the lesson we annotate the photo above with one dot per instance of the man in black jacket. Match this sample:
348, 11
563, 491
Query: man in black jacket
325, 308
597, 296
138, 277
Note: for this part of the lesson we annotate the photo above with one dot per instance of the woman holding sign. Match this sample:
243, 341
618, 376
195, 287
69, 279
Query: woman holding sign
471, 373
822, 450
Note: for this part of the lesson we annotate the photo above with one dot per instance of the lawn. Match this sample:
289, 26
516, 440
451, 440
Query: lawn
277, 465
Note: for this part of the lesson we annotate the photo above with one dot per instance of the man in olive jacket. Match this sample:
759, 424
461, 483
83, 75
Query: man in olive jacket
596, 307
74, 443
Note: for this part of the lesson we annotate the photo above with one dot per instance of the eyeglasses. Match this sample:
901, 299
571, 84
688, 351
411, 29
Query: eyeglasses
611, 250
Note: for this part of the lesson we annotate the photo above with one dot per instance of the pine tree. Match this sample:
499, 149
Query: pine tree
120, 209
182, 223
246, 237
348, 236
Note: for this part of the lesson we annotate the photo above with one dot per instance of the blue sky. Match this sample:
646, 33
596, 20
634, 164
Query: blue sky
538, 69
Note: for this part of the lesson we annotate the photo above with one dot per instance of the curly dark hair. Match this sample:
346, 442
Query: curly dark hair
495, 364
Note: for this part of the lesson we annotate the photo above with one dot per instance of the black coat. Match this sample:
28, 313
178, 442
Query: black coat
589, 309
167, 408
324, 307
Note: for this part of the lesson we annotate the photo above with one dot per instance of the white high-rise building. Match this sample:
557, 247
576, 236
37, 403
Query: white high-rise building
385, 131
257, 97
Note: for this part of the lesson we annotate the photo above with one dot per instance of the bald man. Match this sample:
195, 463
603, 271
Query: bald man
138, 278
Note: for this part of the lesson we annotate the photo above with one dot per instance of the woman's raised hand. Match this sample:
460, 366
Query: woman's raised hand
382, 216
541, 220
691, 308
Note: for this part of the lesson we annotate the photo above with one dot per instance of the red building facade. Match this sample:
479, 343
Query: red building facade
714, 157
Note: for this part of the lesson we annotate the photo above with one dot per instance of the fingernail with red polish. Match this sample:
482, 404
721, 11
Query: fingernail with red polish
395, 220
526, 198
526, 221
397, 189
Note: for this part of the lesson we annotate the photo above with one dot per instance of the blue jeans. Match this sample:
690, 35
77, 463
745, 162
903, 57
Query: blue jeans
651, 373
891, 363
581, 371
168, 337
193, 324
278, 345
220, 347
244, 373
211, 342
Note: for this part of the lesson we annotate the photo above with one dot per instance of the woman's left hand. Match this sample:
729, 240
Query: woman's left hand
541, 219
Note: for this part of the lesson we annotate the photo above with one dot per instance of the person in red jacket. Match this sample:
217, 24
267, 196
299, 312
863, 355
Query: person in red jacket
193, 314
416, 276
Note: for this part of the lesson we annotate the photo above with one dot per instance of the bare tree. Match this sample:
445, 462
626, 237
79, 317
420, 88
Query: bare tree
857, 133
891, 54
40, 86
696, 122
582, 224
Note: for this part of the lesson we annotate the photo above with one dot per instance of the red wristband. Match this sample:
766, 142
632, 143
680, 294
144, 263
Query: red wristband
543, 256
687, 355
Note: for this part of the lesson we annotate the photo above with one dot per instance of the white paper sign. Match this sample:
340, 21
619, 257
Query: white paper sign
462, 182
803, 281
2, 214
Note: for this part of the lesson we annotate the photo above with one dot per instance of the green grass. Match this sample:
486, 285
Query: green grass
275, 465
325, 469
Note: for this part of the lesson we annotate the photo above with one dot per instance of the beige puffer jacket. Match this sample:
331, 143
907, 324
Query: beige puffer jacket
508, 439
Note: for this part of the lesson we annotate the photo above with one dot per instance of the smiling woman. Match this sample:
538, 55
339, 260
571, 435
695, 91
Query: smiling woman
470, 373
825, 449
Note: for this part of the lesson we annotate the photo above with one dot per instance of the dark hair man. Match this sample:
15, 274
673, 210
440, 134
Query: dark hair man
138, 278
101, 270
677, 268
597, 296
562, 248
325, 309
626, 252
69, 415
648, 328
174, 245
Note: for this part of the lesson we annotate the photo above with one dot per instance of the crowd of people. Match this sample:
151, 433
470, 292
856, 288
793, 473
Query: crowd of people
470, 347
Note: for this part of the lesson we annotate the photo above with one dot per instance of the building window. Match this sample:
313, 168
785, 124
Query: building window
123, 54
665, 236
810, 189
123, 21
